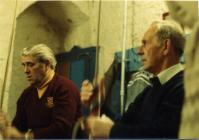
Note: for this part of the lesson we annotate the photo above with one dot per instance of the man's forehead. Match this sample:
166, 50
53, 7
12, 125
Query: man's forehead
27, 59
150, 32
146, 36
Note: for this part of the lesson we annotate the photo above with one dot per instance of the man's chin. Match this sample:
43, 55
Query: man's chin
145, 67
31, 82
35, 84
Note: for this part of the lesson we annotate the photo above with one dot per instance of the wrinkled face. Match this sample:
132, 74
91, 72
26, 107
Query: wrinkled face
151, 51
34, 70
185, 12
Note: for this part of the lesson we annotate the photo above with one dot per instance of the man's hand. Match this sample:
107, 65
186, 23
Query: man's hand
7, 131
4, 121
86, 92
99, 127
11, 132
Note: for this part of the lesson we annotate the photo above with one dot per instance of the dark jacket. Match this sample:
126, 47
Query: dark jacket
155, 113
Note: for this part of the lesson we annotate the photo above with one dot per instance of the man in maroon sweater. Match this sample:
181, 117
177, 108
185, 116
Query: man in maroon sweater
51, 105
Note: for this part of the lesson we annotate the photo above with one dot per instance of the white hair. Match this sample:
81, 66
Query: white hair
171, 30
42, 53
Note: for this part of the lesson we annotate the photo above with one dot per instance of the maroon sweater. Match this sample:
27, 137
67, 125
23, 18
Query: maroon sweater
54, 114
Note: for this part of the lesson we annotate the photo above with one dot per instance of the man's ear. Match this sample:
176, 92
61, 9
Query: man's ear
166, 46
47, 62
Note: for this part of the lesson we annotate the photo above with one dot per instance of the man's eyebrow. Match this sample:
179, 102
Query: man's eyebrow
25, 63
143, 41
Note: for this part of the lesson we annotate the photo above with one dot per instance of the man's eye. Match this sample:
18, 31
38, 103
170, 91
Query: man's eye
144, 44
30, 64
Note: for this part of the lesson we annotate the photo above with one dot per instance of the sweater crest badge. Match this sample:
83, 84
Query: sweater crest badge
50, 102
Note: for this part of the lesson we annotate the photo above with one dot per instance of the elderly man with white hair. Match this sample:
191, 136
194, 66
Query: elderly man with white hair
156, 112
49, 107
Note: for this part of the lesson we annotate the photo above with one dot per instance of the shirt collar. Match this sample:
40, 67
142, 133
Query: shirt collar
49, 77
167, 74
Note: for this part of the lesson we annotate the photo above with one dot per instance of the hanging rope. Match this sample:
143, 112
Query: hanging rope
95, 100
122, 89
95, 80
198, 9
11, 43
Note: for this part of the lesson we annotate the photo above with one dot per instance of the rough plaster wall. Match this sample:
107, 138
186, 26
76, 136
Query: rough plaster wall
111, 32
23, 4
80, 35
32, 28
84, 34
143, 14
6, 23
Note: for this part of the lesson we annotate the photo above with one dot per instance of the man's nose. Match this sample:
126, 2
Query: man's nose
26, 69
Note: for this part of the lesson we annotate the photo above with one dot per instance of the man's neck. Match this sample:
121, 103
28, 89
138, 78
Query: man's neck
48, 77
166, 65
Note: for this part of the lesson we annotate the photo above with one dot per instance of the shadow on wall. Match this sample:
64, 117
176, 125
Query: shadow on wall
43, 22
